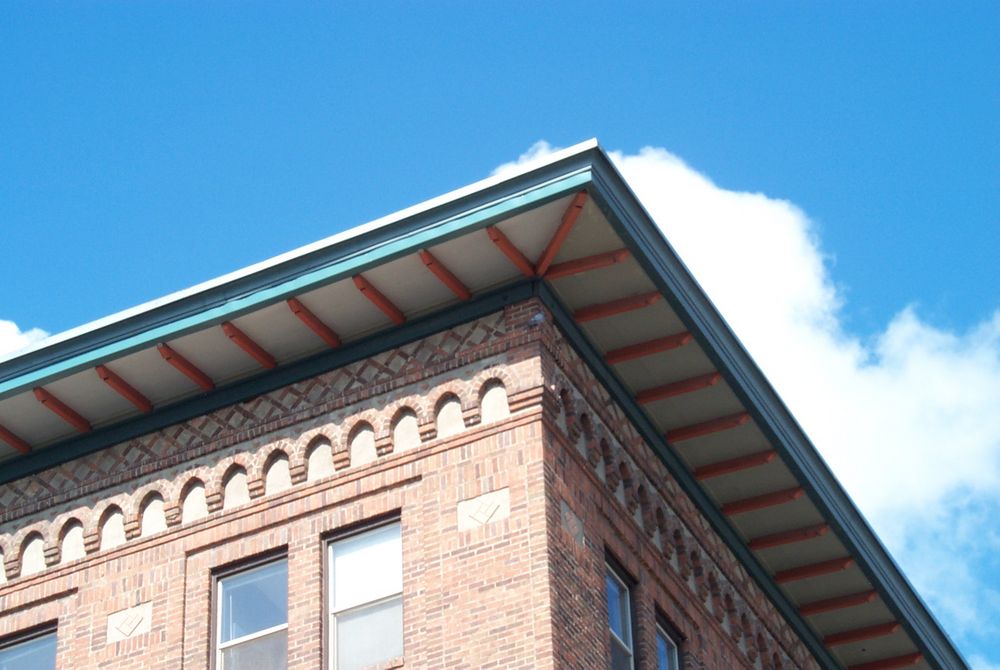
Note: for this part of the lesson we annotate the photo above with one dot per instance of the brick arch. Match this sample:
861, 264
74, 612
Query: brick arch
175, 489
302, 447
315, 440
453, 387
396, 413
495, 411
133, 528
221, 473
441, 399
22, 547
221, 469
487, 379
176, 515
92, 541
60, 526
342, 456
309, 438
265, 457
14, 547
350, 428
132, 505
494, 373
100, 511
274, 455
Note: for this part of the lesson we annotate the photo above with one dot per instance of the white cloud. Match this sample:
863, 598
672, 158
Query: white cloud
908, 420
13, 339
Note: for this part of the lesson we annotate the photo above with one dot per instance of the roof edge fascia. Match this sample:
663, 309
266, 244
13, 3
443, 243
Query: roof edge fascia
651, 248
431, 222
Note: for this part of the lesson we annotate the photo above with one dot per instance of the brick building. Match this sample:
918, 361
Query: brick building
501, 429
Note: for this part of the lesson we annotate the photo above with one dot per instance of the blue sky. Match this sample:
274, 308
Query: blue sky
148, 146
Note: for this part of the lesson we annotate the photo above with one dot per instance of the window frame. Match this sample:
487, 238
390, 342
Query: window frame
32, 634
613, 570
329, 628
231, 570
669, 633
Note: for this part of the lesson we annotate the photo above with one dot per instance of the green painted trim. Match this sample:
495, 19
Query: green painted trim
407, 242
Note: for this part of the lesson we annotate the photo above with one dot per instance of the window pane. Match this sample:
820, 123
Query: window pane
367, 567
621, 658
618, 618
269, 652
37, 654
254, 600
370, 635
666, 652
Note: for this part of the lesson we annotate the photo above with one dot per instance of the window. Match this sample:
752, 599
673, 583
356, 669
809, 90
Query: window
366, 598
34, 653
619, 621
253, 618
666, 651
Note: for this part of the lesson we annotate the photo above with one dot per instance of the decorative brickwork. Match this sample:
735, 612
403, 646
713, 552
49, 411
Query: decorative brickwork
670, 532
269, 412
505, 523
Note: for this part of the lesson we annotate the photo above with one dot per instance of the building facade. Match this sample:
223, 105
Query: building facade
434, 458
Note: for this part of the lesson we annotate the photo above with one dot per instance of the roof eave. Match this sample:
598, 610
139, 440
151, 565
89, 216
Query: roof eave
677, 284
456, 213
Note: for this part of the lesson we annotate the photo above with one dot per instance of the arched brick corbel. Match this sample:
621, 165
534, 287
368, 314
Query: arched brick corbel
383, 444
132, 527
12, 564
428, 429
297, 470
172, 512
213, 498
52, 550
342, 458
92, 538
255, 485
471, 416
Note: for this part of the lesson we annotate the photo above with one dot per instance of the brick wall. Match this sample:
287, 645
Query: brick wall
505, 524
